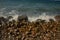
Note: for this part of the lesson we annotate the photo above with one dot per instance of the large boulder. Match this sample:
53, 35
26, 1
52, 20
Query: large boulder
2, 18
51, 20
10, 17
23, 17
57, 18
40, 21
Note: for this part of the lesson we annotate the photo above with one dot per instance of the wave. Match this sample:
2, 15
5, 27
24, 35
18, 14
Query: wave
33, 14
42, 16
29, 11
33, 18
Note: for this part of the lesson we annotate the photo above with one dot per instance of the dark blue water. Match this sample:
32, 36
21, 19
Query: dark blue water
29, 7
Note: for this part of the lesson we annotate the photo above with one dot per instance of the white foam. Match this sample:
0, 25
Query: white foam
13, 12
43, 17
14, 18
33, 18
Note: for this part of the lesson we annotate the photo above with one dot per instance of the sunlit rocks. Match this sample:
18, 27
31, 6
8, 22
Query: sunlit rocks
22, 29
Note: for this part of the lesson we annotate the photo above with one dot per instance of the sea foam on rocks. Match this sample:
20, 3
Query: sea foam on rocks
32, 18
43, 17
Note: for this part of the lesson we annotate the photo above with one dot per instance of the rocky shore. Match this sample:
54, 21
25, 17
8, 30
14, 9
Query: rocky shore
23, 29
